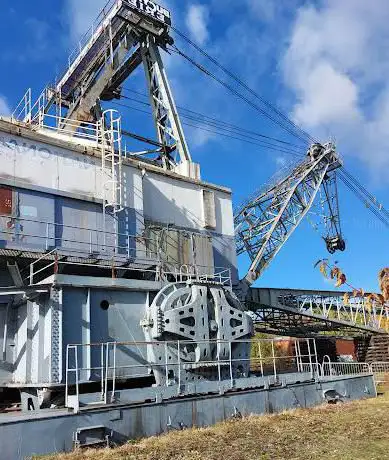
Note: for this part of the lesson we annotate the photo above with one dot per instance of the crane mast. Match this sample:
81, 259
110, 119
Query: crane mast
127, 36
265, 223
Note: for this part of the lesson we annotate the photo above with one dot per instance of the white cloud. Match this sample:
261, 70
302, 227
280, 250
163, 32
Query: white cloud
264, 10
4, 107
197, 22
80, 16
336, 64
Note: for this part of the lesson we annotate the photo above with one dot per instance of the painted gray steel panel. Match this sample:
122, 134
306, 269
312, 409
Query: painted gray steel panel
85, 321
6, 350
52, 431
224, 254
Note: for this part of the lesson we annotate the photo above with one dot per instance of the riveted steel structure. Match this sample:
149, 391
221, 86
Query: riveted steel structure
126, 35
265, 223
302, 313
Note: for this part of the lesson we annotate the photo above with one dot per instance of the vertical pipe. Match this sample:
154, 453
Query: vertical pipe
47, 236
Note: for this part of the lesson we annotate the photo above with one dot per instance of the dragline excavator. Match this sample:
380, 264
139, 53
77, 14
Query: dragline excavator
265, 222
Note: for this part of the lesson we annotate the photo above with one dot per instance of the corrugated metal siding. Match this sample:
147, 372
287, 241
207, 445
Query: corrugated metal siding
180, 247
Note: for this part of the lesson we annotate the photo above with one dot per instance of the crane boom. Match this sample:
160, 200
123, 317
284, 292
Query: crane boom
263, 225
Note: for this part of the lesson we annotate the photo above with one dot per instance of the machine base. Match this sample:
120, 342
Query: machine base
49, 431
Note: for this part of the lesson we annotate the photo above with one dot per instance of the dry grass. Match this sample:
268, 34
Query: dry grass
358, 430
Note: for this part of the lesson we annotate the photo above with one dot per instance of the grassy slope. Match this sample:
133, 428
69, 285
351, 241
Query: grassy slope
358, 430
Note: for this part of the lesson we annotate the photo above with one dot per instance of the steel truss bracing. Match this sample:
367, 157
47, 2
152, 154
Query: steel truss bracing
122, 39
265, 223
168, 125
303, 313
330, 214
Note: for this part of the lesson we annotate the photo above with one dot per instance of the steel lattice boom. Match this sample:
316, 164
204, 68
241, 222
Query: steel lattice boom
298, 312
266, 222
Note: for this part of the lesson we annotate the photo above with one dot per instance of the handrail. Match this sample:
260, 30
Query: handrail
25, 107
86, 38
91, 243
56, 224
107, 368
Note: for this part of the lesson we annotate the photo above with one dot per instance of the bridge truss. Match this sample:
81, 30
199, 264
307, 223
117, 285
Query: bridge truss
310, 313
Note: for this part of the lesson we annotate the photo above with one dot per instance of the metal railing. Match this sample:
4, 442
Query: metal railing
82, 240
74, 128
216, 275
23, 109
36, 115
380, 370
110, 249
105, 363
75, 54
333, 369
358, 311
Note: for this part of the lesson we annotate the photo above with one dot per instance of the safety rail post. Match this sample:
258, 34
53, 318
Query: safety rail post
47, 236
179, 366
274, 360
260, 357
297, 357
102, 370
74, 370
77, 378
112, 399
316, 359
66, 376
106, 372
218, 359
309, 356
326, 357
230, 362
166, 365
31, 273
299, 354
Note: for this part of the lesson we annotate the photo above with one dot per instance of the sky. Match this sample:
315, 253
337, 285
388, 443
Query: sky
324, 63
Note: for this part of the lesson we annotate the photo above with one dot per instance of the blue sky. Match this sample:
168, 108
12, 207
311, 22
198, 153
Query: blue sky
324, 63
